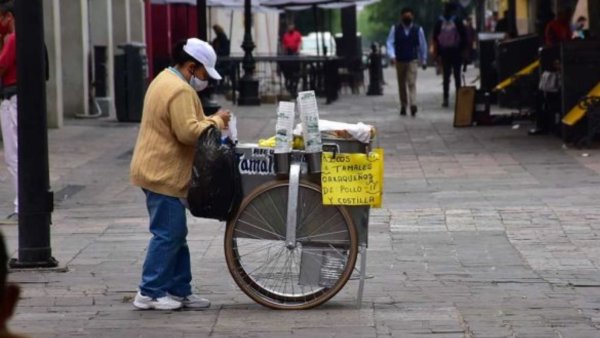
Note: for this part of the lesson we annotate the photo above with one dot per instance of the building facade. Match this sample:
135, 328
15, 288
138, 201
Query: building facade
72, 29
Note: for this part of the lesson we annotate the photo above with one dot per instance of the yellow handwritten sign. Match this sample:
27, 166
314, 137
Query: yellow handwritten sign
352, 179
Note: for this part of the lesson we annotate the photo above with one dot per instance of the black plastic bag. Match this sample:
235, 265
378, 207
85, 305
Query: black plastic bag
216, 189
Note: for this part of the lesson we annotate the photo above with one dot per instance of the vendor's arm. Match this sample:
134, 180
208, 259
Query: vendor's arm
224, 115
184, 123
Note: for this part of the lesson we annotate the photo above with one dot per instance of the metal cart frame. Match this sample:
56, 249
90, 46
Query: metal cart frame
261, 165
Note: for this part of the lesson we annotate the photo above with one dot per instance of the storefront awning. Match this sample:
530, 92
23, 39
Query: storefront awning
299, 4
164, 2
231, 3
333, 5
290, 4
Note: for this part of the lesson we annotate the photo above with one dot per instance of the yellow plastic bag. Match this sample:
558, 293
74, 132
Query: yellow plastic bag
352, 179
270, 142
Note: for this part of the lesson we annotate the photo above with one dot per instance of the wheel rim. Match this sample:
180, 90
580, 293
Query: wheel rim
281, 277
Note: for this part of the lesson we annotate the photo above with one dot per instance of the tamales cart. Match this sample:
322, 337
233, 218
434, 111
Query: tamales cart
284, 248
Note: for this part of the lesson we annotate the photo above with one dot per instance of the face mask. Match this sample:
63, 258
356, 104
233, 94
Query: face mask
197, 84
407, 21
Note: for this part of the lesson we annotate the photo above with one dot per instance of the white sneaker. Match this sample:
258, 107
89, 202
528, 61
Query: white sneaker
192, 301
162, 303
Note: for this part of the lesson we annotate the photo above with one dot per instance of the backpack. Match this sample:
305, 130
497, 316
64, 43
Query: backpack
449, 36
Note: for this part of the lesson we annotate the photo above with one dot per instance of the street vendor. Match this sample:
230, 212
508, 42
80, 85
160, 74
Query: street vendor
172, 121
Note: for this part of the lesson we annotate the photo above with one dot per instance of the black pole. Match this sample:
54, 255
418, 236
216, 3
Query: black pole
35, 196
201, 19
349, 30
321, 25
316, 26
209, 104
248, 44
248, 85
480, 11
375, 71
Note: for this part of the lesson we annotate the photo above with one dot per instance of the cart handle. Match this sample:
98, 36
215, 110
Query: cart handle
336, 148
328, 146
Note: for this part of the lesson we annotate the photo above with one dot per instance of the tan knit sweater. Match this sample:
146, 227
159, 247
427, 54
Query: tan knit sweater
172, 121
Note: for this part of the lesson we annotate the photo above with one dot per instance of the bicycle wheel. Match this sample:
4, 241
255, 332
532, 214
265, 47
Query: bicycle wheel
282, 277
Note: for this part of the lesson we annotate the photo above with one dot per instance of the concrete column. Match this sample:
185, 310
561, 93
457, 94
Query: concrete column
137, 18
121, 30
75, 55
101, 32
54, 89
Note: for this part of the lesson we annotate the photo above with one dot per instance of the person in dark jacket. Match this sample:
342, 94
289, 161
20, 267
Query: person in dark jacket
222, 47
221, 43
407, 49
450, 41
471, 36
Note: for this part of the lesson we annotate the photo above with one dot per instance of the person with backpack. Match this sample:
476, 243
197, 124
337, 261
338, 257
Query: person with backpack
450, 42
407, 49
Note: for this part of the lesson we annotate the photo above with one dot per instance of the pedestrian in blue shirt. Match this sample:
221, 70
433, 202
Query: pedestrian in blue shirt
407, 49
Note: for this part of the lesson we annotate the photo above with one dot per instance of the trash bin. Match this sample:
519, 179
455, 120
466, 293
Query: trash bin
511, 56
487, 62
131, 74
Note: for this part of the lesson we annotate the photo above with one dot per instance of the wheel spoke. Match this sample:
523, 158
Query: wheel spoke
265, 266
325, 234
322, 225
276, 209
260, 249
248, 234
270, 272
305, 219
261, 229
259, 214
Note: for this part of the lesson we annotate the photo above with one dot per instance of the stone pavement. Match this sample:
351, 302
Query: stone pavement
485, 232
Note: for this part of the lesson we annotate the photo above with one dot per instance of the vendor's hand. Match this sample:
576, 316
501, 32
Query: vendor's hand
225, 115
393, 61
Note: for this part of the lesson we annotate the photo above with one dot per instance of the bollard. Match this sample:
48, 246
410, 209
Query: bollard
375, 71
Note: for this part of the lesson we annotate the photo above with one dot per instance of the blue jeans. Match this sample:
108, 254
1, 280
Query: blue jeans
167, 266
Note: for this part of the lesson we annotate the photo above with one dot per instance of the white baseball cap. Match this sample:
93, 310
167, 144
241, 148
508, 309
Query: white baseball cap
203, 52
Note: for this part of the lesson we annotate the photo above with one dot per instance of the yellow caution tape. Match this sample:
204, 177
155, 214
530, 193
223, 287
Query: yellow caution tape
578, 112
513, 78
